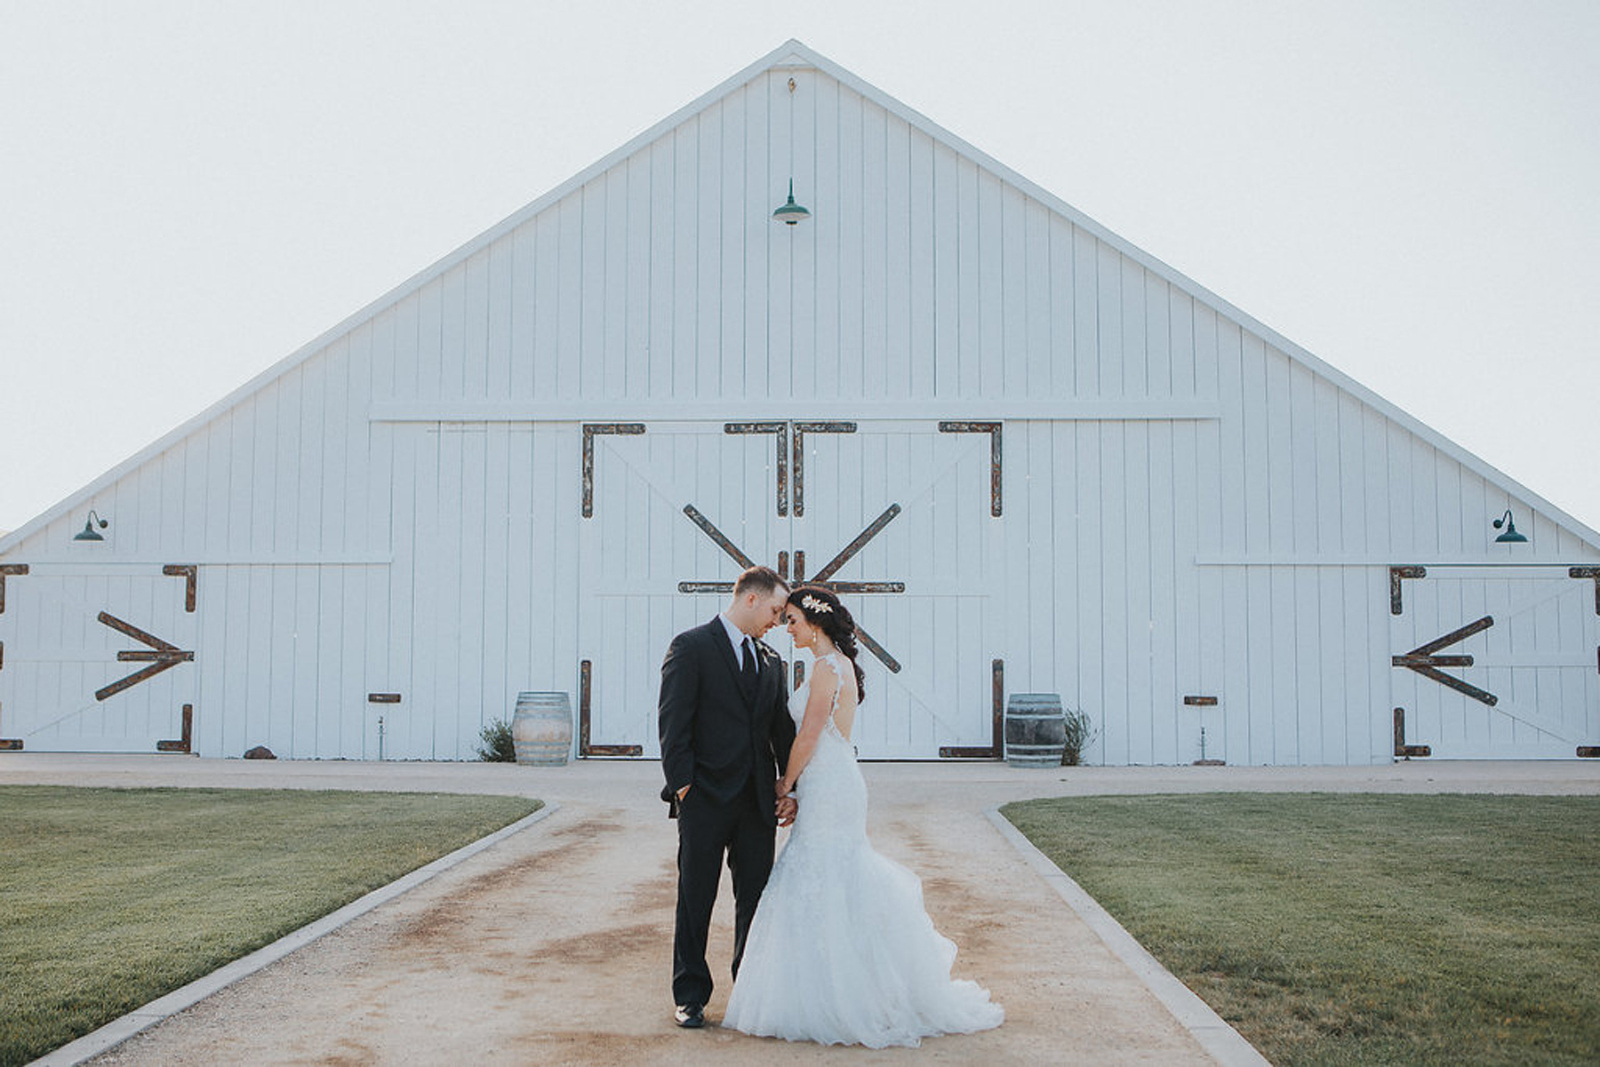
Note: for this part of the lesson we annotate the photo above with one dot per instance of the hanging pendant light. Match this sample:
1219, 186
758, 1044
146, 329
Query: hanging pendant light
791, 212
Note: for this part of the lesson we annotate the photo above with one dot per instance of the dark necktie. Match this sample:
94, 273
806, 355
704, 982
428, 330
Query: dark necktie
749, 656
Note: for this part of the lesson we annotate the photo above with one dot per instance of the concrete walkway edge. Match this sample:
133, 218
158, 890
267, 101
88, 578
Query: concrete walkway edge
1222, 1041
119, 1030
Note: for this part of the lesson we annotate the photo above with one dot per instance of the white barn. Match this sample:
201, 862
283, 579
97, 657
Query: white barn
1034, 458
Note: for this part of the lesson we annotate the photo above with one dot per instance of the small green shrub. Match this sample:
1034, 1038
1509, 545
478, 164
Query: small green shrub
1080, 735
497, 747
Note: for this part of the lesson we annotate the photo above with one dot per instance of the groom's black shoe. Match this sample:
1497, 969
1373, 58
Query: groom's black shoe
690, 1016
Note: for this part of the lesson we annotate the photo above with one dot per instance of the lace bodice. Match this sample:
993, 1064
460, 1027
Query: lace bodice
842, 670
832, 795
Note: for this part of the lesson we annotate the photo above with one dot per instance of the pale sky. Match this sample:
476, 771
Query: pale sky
191, 191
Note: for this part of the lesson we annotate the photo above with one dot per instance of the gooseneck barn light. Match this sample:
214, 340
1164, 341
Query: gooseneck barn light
791, 212
89, 532
1510, 537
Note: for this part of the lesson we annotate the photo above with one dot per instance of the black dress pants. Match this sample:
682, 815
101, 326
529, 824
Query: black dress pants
708, 829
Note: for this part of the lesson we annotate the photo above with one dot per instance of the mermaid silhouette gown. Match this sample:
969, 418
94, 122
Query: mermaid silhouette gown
841, 949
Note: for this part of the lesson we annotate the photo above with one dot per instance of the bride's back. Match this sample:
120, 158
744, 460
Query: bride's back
847, 698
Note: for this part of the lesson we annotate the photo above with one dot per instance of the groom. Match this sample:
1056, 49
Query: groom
725, 736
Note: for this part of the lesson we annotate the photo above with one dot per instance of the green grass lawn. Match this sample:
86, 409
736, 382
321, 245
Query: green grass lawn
1346, 929
112, 897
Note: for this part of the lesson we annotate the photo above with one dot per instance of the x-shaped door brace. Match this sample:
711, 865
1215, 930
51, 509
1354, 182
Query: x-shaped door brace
1422, 660
164, 656
791, 465
823, 577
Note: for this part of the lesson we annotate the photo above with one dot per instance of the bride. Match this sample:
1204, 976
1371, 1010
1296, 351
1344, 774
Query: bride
841, 950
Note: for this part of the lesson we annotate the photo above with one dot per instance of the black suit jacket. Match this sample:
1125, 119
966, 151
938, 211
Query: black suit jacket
717, 731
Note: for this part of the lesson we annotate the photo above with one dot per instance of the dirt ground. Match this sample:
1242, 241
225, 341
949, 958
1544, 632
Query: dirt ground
554, 946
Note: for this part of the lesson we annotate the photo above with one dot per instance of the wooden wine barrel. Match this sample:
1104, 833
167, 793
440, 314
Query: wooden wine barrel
1036, 731
542, 729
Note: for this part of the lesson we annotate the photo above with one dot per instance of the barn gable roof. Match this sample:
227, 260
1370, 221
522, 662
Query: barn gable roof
793, 54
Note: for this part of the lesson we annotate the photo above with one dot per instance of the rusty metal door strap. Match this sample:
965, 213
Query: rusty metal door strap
1396, 575
996, 455
722, 541
781, 431
1422, 660
997, 743
162, 657
590, 429
1401, 749
14, 570
585, 689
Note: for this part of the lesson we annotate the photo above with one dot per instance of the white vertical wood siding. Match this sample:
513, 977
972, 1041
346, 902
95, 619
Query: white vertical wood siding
398, 512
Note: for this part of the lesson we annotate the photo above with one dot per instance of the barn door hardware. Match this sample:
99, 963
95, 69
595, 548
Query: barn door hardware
1588, 572
191, 581
995, 455
997, 745
800, 431
832, 566
781, 431
16, 570
822, 578
182, 744
1422, 660
7, 744
10, 744
590, 431
877, 650
721, 540
163, 656
1401, 749
585, 689
1396, 574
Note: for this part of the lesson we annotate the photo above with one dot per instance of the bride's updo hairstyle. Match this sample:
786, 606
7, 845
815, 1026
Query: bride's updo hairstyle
825, 611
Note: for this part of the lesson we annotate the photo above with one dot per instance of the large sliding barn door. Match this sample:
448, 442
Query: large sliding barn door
97, 657
900, 514
897, 517
665, 505
1496, 662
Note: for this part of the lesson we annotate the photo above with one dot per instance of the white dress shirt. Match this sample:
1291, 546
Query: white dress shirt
737, 638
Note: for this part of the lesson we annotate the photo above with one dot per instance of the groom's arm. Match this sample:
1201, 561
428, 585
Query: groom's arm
781, 735
675, 707
781, 731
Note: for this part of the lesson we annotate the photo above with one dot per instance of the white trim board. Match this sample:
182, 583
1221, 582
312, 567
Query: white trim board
756, 411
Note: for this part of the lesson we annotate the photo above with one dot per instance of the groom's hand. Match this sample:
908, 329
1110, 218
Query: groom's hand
787, 807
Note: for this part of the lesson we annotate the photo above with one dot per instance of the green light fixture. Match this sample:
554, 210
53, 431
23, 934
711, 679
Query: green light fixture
791, 212
89, 532
1510, 537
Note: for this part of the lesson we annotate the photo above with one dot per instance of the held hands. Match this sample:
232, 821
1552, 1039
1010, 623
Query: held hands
787, 805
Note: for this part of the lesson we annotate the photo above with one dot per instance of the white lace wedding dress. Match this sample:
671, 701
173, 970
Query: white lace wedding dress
841, 950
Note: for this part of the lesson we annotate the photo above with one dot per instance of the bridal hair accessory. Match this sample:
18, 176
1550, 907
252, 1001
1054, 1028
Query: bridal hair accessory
811, 603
